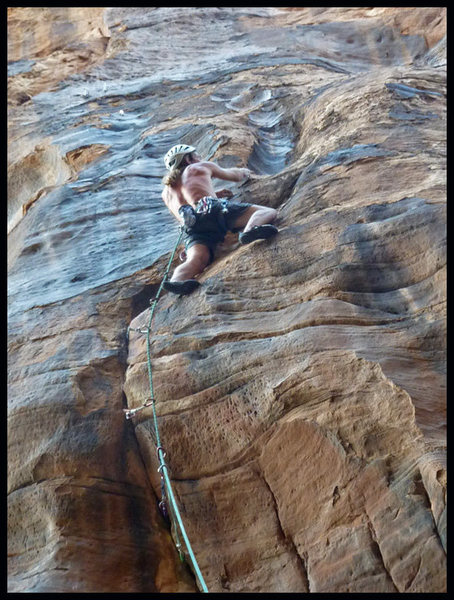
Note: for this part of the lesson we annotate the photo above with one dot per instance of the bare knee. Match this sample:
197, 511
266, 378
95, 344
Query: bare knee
261, 216
266, 214
271, 214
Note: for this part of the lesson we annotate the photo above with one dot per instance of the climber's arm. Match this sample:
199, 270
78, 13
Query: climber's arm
232, 174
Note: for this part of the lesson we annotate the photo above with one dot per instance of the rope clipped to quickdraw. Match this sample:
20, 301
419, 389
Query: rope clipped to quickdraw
166, 508
168, 504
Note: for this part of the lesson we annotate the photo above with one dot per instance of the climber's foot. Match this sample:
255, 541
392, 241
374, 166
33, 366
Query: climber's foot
181, 287
260, 232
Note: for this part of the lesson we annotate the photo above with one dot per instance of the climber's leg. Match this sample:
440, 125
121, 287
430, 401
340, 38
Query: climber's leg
256, 221
255, 215
197, 258
182, 281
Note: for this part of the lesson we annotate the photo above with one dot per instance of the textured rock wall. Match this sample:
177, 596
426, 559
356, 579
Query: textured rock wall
301, 390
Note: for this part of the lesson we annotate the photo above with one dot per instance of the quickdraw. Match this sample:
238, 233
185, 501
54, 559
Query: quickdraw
205, 204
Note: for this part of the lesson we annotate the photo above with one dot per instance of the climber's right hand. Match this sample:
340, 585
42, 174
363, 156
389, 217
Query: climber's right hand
188, 215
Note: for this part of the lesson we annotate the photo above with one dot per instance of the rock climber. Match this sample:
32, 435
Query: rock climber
190, 196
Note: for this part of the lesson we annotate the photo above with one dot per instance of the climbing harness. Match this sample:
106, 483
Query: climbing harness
205, 204
168, 505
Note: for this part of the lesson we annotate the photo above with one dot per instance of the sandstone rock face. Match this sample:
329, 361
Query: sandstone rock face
300, 391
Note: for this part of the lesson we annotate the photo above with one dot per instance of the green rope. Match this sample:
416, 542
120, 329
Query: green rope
163, 469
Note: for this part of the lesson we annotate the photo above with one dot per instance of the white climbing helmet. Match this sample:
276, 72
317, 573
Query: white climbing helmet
175, 155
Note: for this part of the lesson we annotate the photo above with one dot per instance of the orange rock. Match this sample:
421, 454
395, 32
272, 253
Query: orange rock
300, 391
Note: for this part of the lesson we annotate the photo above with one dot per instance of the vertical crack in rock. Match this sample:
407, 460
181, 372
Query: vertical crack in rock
138, 511
139, 302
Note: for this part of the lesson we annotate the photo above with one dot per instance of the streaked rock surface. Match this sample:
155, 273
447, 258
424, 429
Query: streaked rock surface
301, 390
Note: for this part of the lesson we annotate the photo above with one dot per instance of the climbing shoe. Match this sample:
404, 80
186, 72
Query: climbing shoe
181, 287
260, 232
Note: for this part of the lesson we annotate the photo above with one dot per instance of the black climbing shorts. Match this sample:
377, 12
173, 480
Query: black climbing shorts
211, 227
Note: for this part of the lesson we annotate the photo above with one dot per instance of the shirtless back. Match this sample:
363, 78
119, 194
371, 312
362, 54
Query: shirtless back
196, 182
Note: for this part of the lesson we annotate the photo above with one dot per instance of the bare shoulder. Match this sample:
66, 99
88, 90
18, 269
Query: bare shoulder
210, 167
200, 167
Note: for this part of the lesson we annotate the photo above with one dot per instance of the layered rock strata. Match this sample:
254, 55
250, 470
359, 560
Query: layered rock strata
301, 389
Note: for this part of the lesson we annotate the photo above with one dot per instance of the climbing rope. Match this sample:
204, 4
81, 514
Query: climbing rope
166, 485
